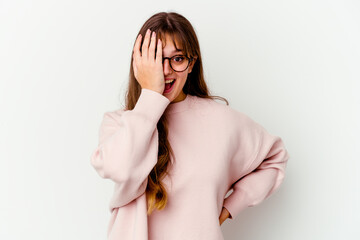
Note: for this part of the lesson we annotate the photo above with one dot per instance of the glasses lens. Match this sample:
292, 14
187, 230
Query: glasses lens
179, 62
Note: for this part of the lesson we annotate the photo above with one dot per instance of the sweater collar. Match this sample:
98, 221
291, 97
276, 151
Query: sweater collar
180, 106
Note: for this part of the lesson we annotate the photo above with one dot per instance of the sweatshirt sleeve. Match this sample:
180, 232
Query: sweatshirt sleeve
264, 174
128, 145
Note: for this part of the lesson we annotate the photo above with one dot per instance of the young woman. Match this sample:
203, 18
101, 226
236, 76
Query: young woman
174, 152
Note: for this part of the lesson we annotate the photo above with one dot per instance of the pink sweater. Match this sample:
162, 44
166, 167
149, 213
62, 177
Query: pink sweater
216, 149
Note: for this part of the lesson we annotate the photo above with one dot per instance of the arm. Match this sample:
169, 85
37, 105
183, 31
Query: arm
128, 145
264, 175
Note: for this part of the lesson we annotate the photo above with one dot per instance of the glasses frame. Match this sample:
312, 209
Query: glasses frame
179, 55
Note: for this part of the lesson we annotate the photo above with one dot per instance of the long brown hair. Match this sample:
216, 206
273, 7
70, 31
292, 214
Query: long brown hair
179, 28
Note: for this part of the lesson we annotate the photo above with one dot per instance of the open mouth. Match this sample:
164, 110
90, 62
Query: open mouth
169, 86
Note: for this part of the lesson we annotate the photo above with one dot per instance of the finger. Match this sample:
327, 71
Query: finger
145, 46
152, 46
159, 52
136, 50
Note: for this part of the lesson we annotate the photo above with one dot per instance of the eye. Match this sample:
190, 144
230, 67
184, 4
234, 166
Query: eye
178, 58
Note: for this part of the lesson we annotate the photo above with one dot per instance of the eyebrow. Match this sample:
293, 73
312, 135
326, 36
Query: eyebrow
179, 50
174, 53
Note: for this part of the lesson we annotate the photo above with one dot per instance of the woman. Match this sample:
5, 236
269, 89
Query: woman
174, 152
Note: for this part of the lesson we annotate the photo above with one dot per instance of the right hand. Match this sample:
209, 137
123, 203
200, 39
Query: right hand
148, 71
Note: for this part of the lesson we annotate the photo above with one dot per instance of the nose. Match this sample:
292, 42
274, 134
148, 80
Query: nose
166, 65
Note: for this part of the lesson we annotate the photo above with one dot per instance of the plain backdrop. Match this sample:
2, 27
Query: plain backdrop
292, 66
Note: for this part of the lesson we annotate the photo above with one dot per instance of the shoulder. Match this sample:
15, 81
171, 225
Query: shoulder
207, 105
113, 116
225, 113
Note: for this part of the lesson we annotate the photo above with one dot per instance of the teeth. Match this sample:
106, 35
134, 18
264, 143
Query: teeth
169, 81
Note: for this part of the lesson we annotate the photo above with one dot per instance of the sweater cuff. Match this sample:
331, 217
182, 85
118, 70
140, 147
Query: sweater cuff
235, 203
151, 104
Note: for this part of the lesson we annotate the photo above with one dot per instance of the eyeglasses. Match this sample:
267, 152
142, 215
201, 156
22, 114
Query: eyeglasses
178, 63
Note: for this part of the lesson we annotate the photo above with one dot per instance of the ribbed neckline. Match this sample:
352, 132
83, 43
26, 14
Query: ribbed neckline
180, 106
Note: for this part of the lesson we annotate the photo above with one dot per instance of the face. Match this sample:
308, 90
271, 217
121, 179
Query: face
176, 94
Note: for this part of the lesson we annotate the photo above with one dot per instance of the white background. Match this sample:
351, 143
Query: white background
293, 66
